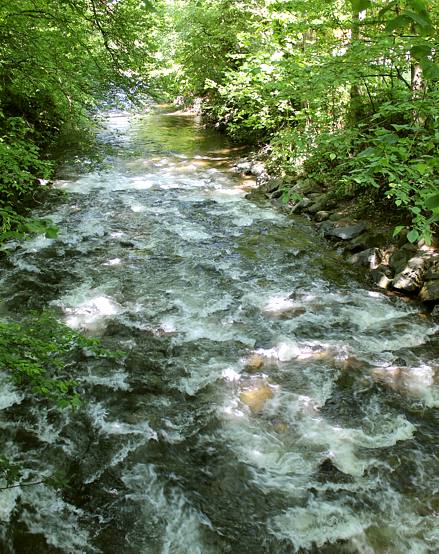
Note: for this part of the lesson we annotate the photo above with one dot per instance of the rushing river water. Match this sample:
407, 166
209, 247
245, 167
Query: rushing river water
267, 402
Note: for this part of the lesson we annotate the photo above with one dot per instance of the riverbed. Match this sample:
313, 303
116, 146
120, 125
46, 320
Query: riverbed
268, 400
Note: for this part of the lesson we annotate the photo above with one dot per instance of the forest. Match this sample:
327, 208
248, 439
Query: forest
345, 92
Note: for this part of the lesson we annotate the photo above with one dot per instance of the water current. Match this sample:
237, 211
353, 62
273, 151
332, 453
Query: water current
268, 401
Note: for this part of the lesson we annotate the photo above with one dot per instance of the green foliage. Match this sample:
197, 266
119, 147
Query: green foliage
40, 354
346, 92
58, 61
23, 175
42, 357
20, 162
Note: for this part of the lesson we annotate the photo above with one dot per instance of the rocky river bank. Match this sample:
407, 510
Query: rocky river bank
390, 263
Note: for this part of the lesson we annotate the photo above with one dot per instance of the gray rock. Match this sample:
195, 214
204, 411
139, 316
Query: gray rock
435, 311
370, 258
410, 279
321, 216
382, 276
277, 193
373, 238
307, 187
257, 169
319, 203
126, 243
301, 205
243, 166
430, 292
271, 186
346, 232
433, 271
336, 216
399, 259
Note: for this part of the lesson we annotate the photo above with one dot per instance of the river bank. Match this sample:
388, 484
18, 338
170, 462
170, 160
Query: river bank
391, 262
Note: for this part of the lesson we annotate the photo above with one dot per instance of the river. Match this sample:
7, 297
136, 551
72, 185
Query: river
267, 401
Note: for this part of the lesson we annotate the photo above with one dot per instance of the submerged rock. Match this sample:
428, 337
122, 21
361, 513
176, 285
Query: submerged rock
351, 363
292, 312
327, 466
257, 397
254, 362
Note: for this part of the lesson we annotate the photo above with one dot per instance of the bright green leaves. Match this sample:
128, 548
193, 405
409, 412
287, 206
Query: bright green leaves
22, 177
41, 356
403, 165
421, 51
58, 60
360, 5
412, 13
432, 202
343, 93
413, 235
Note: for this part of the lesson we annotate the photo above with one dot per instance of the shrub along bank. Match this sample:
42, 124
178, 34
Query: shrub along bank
58, 59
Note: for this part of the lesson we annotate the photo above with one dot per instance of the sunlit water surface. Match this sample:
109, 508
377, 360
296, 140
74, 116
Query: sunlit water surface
267, 403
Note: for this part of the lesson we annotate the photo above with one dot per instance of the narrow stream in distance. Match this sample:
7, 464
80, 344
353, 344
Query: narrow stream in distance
267, 403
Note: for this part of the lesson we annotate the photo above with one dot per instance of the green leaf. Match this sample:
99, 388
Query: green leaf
413, 235
360, 5
420, 51
398, 22
398, 229
431, 70
432, 201
367, 153
418, 5
421, 20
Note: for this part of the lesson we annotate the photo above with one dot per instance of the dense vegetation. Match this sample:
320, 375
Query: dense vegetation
58, 59
345, 92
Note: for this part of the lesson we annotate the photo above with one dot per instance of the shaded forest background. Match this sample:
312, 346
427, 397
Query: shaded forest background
344, 92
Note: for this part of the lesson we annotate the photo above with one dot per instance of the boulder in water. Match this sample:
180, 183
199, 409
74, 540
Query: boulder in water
254, 362
256, 398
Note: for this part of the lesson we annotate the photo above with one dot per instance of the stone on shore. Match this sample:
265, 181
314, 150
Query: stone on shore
410, 279
345, 232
